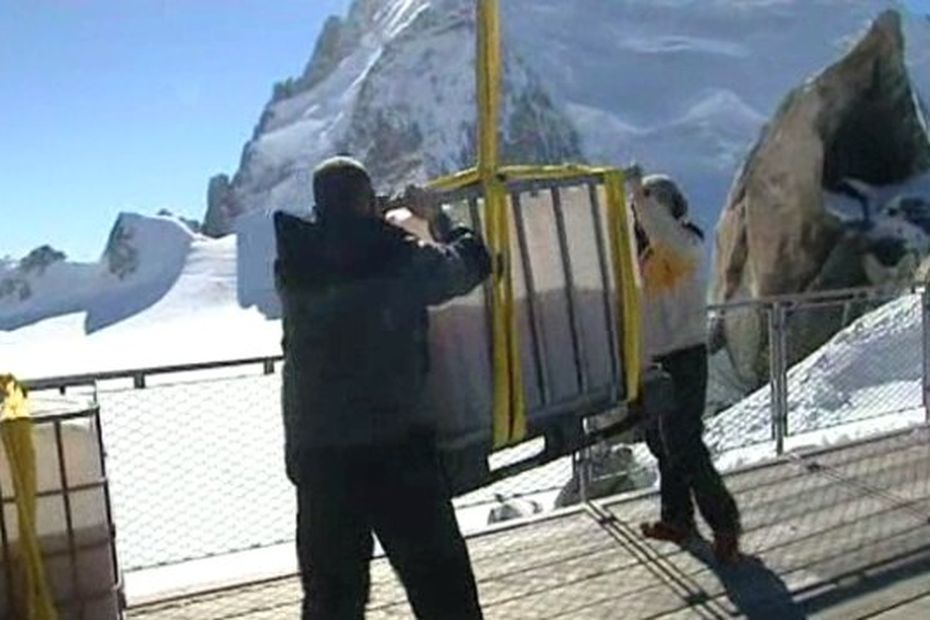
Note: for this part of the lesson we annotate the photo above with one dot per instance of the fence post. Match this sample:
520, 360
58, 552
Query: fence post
581, 463
778, 371
925, 333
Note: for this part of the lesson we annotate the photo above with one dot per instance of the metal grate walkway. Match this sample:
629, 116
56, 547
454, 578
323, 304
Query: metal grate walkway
843, 533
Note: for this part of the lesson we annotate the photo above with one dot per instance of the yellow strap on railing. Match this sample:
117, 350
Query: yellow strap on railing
456, 181
509, 411
488, 80
16, 429
620, 234
509, 416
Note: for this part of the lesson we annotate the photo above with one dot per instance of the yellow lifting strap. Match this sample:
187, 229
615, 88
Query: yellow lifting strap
16, 429
628, 303
509, 417
509, 413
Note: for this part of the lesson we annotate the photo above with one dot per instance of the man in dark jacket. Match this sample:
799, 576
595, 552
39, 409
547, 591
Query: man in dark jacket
355, 291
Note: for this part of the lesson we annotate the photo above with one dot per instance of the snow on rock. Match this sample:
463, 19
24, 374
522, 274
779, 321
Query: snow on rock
159, 295
140, 264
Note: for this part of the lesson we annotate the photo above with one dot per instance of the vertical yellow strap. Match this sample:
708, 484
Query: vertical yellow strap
509, 415
621, 253
488, 87
16, 429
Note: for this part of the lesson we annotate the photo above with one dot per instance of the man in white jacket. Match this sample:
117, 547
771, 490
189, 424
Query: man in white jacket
675, 333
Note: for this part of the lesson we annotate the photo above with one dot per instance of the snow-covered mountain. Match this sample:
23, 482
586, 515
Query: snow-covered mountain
681, 85
160, 294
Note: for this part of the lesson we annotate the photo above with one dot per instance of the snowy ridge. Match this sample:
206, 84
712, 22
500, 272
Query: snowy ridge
143, 257
159, 295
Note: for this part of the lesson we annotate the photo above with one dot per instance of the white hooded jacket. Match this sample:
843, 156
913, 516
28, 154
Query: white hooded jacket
674, 285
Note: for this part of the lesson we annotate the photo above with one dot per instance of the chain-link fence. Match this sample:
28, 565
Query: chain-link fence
196, 454
850, 360
810, 363
197, 464
739, 362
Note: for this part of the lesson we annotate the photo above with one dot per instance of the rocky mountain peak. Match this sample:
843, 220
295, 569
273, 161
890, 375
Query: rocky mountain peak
822, 201
16, 276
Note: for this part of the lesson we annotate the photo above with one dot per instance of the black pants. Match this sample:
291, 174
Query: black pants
675, 438
398, 493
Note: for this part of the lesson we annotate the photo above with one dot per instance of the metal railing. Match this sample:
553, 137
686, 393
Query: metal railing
195, 452
73, 524
829, 334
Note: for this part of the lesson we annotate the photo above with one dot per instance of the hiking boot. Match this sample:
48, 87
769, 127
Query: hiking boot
726, 547
668, 532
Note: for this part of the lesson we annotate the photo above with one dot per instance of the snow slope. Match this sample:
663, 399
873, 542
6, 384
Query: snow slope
176, 302
140, 264
873, 367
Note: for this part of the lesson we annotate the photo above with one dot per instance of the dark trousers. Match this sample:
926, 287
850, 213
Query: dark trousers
675, 438
398, 493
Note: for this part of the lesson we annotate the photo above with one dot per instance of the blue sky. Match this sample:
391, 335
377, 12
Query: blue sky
918, 6
112, 105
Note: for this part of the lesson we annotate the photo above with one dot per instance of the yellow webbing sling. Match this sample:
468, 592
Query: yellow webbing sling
16, 429
509, 409
509, 419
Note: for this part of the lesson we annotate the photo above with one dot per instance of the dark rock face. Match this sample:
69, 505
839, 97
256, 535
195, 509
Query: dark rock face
121, 255
857, 124
37, 261
330, 49
221, 207
15, 284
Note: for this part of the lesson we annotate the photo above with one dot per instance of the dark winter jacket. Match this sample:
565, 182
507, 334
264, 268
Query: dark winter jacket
355, 327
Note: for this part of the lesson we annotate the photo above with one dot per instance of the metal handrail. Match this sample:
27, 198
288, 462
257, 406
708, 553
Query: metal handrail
138, 374
793, 300
814, 298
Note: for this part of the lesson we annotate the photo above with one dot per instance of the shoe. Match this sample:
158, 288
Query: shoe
726, 547
668, 532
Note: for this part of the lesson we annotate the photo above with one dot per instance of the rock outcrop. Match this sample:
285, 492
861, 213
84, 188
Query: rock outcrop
122, 256
513, 508
221, 208
855, 127
15, 278
611, 470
